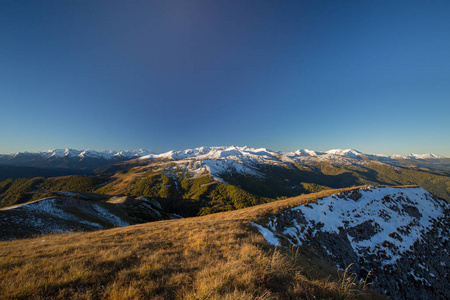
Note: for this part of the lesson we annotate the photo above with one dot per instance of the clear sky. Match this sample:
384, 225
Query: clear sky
161, 75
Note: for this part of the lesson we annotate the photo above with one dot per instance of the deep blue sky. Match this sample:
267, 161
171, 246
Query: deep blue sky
161, 75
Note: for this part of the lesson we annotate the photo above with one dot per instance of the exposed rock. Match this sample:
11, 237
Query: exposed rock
399, 235
364, 231
412, 211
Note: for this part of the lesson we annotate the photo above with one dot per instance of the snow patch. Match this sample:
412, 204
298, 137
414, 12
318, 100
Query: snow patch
267, 234
395, 219
105, 214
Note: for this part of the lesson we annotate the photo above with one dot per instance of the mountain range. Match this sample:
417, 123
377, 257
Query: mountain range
69, 161
22, 158
62, 161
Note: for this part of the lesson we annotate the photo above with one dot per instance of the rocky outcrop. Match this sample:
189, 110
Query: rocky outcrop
399, 235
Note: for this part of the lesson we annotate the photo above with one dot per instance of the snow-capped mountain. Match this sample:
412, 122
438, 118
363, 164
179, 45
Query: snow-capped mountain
72, 153
423, 156
216, 161
401, 235
87, 160
221, 160
232, 152
264, 153
208, 153
304, 152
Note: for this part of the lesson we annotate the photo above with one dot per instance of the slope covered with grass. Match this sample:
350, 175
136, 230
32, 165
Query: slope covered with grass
22, 190
219, 256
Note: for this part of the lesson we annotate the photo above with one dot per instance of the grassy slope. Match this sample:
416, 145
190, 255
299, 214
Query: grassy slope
21, 190
16, 191
219, 256
185, 196
434, 181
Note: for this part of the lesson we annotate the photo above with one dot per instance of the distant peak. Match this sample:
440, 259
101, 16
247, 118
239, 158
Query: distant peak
306, 152
423, 156
352, 153
333, 151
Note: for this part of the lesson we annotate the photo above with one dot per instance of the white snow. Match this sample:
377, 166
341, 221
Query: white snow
305, 152
223, 160
422, 156
347, 152
218, 161
40, 208
390, 217
267, 234
105, 214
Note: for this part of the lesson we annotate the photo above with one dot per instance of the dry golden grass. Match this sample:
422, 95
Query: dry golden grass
218, 256
121, 183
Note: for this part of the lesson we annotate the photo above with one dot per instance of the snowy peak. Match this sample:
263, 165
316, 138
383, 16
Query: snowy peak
60, 153
423, 156
232, 152
351, 153
71, 160
217, 161
305, 152
347, 152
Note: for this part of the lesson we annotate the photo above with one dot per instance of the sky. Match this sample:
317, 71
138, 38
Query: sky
160, 75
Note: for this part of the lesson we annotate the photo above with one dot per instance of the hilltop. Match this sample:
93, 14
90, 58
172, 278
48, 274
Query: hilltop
219, 256
397, 235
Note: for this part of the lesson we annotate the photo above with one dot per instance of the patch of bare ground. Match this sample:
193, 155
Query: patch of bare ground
218, 256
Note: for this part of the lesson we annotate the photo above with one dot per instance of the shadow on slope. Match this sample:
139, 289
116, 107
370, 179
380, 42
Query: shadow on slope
76, 213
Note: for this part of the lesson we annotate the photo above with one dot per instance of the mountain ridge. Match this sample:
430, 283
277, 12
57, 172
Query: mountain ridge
68, 152
399, 234
109, 154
